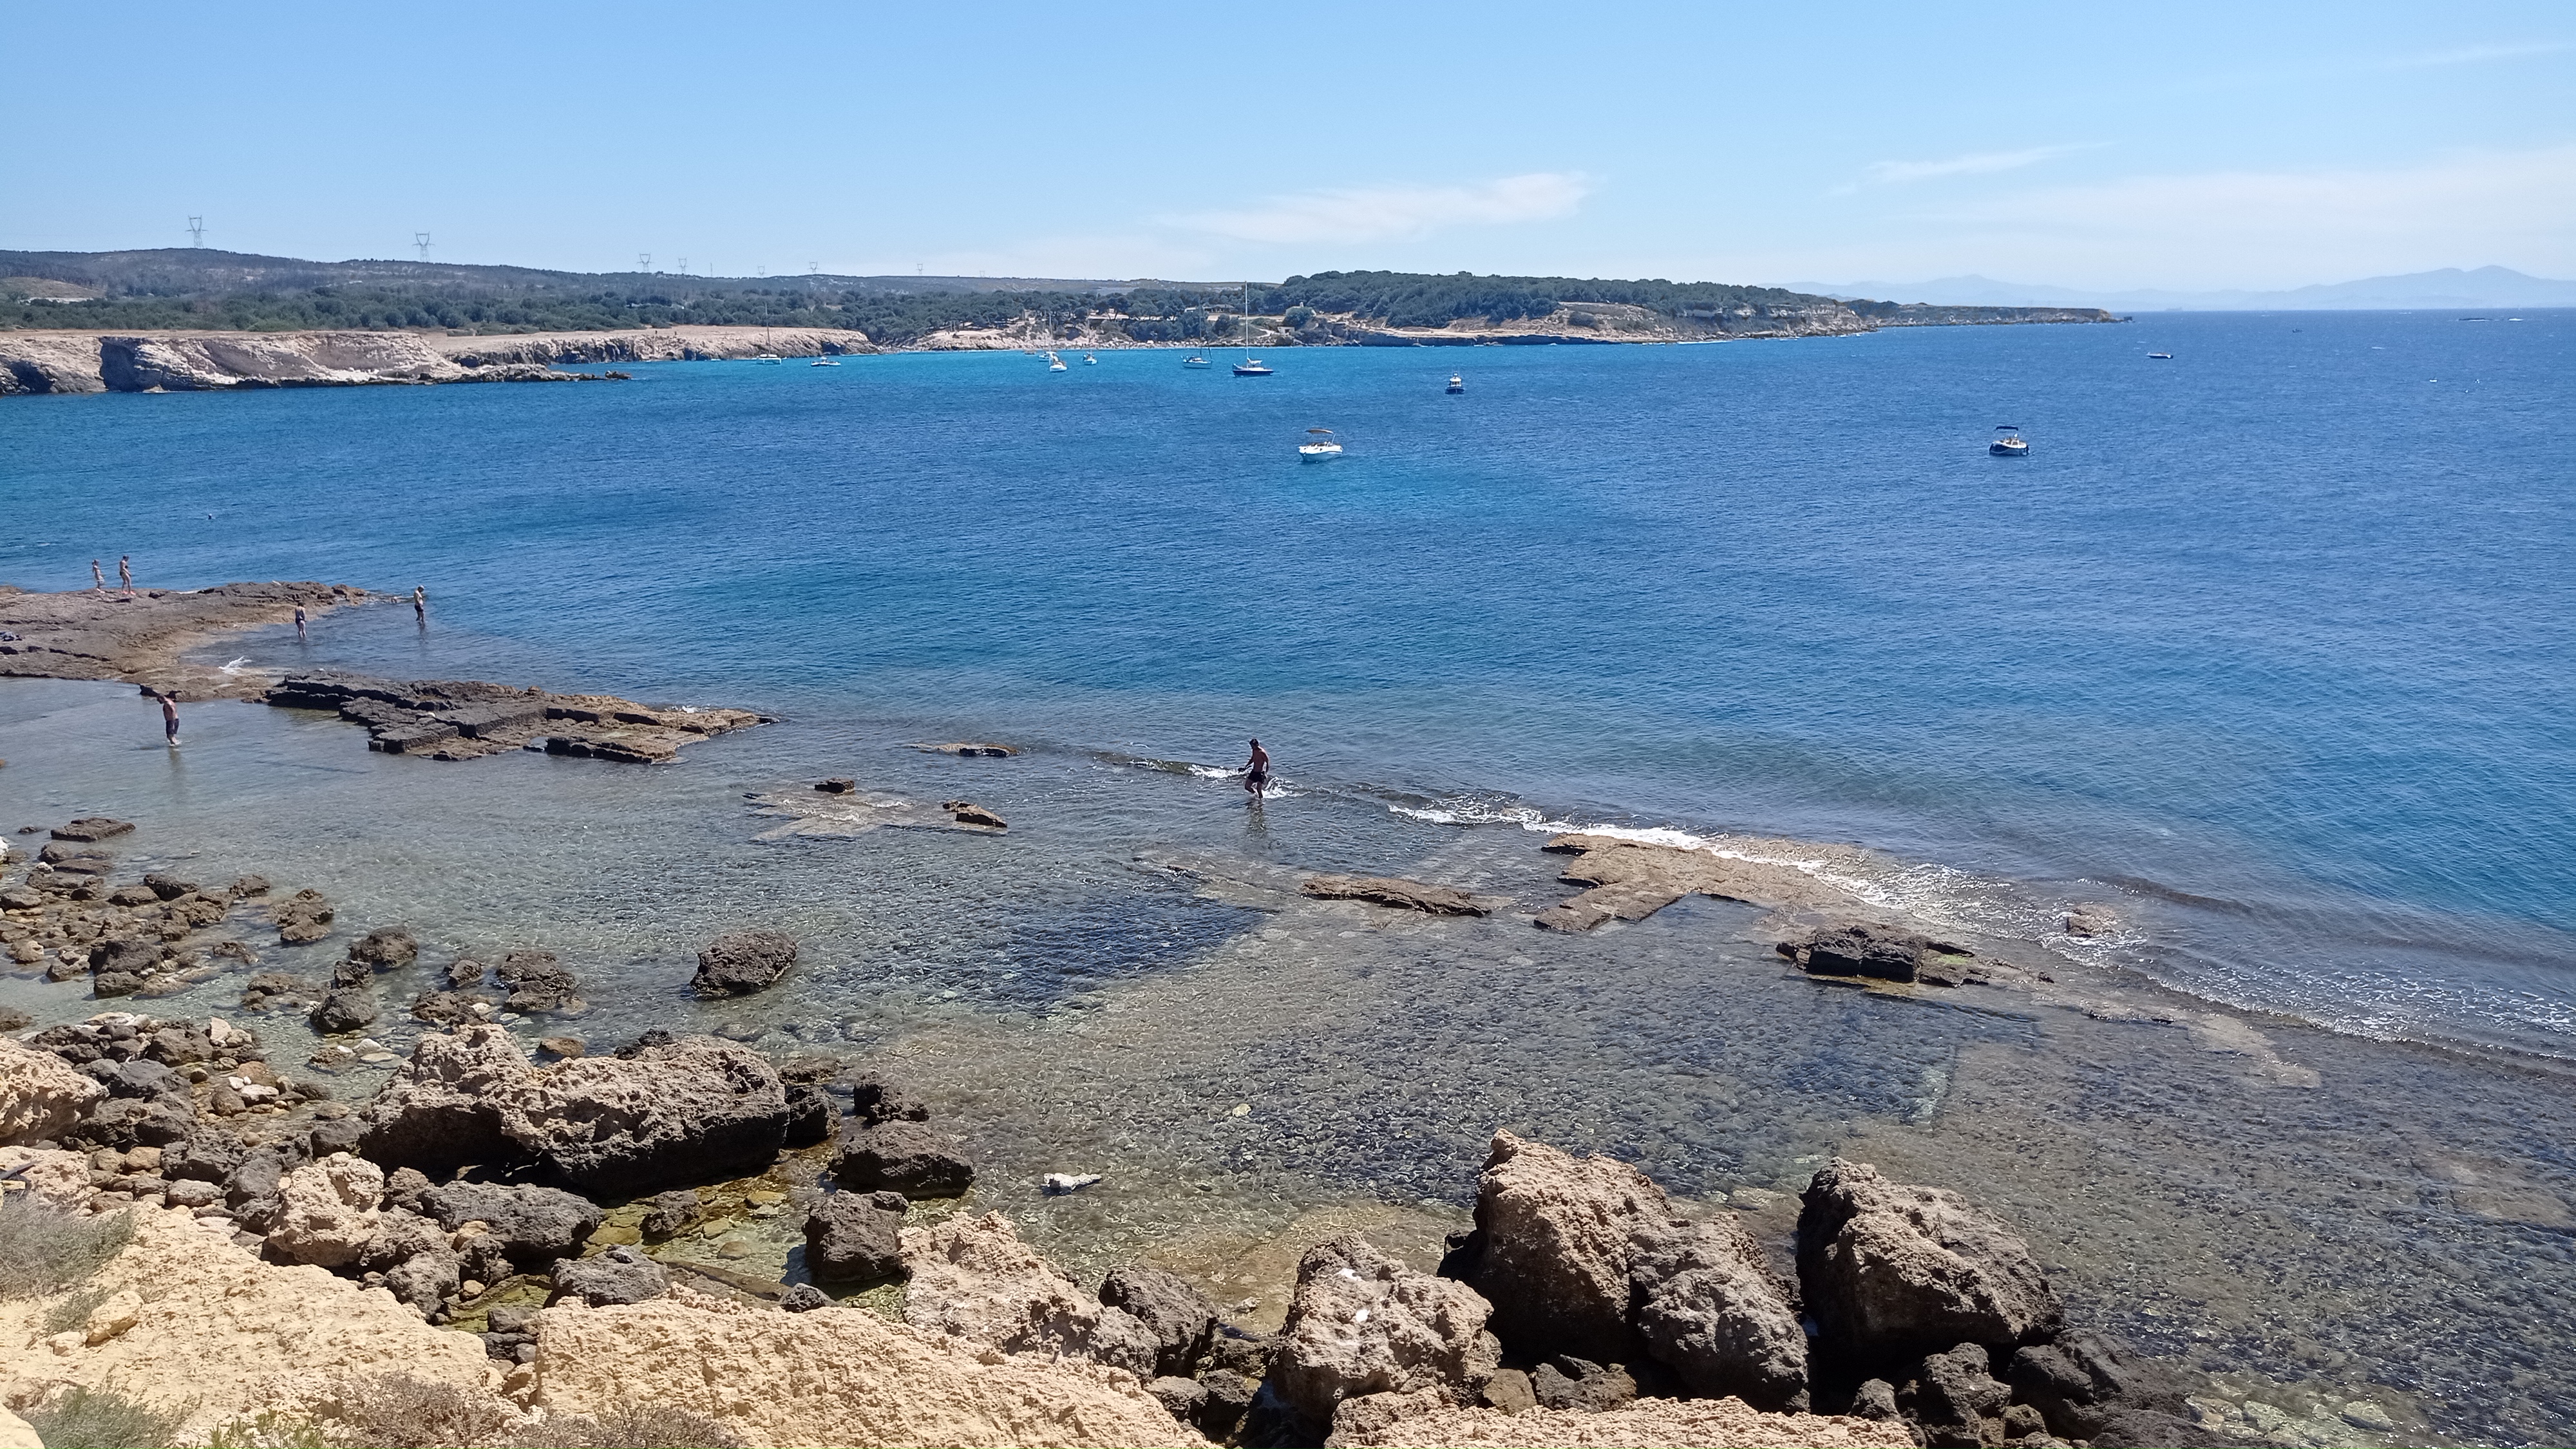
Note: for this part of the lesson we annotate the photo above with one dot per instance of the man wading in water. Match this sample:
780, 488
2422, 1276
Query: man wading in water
170, 719
1256, 771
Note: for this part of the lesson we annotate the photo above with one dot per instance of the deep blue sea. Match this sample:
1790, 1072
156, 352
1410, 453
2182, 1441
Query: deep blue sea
2272, 643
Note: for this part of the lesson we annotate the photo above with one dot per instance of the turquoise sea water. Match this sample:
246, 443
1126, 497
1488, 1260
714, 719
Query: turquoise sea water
2270, 644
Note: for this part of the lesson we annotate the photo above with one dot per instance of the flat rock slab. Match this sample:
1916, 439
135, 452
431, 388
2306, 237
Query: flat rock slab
1630, 880
464, 719
971, 749
855, 812
1386, 890
86, 634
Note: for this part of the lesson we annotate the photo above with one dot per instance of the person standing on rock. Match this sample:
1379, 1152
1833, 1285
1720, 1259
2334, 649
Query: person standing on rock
1256, 771
420, 603
170, 718
125, 571
98, 580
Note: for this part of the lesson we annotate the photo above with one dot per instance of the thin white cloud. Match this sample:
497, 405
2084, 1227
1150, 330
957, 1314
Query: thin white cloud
1982, 163
2473, 54
1389, 213
2272, 228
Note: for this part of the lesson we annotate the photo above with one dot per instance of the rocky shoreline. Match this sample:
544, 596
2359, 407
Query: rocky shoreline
82, 362
525, 1230
143, 638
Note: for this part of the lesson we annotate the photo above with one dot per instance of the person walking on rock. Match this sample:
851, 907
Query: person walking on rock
125, 571
170, 718
97, 580
1256, 771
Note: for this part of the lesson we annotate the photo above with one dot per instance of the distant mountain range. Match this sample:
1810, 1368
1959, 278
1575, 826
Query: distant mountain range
2446, 290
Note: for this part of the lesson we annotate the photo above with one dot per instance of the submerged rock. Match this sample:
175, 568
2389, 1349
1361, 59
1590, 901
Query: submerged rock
905, 1156
1408, 895
302, 918
1891, 1270
743, 962
536, 982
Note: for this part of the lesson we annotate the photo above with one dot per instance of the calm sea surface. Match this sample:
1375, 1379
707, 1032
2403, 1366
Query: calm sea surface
2272, 645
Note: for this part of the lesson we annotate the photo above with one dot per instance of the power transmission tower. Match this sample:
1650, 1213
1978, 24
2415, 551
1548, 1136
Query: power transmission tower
643, 261
420, 239
197, 231
684, 266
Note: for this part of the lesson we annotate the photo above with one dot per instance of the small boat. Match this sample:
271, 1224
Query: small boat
2008, 443
769, 359
1194, 360
1251, 367
1090, 361
1054, 363
824, 362
1319, 447
2161, 356
1457, 383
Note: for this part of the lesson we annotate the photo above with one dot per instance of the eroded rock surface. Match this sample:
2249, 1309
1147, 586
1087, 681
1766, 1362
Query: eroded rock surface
743, 962
1892, 1270
1362, 1323
40, 1095
463, 719
1404, 895
1706, 1423
973, 1277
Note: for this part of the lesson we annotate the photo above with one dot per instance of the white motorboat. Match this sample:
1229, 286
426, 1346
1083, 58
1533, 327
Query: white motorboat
1196, 361
2008, 443
1319, 447
1090, 361
769, 359
824, 362
1457, 382
1054, 363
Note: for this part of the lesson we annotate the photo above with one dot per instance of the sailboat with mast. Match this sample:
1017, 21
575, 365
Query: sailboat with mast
1250, 366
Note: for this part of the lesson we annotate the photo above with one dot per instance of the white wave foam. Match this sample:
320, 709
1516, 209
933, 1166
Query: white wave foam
1211, 772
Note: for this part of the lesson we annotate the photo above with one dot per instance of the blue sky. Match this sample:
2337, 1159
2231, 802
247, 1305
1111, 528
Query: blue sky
2168, 145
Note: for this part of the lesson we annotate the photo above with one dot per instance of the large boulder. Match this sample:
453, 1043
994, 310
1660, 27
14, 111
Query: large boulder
1361, 1322
620, 1275
856, 1237
443, 1109
2081, 1383
696, 1109
743, 962
1179, 1316
537, 982
327, 1212
40, 1094
1957, 1402
533, 1225
1708, 1308
1896, 1271
1553, 1257
904, 1156
673, 1110
973, 1277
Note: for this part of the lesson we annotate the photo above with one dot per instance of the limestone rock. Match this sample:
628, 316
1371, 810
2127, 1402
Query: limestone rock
532, 1225
906, 1157
743, 962
1179, 1316
854, 1237
1954, 1396
92, 828
1859, 950
694, 1110
1554, 1258
670, 1213
1708, 1309
302, 917
874, 1099
536, 981
426, 1280
973, 1277
387, 948
1361, 1322
2079, 1381
1705, 1423
811, 1114
620, 1275
1567, 1382
967, 812
344, 1009
327, 1213
442, 1109
834, 1375
1407, 895
803, 1298
40, 1095
224, 1336
1891, 1270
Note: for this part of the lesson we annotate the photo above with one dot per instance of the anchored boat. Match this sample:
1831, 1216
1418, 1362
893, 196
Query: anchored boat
1319, 447
2008, 442
1457, 383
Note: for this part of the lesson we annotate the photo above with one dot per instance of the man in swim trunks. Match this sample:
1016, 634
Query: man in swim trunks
170, 719
1256, 771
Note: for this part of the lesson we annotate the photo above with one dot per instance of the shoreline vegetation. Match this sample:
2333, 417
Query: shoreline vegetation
183, 320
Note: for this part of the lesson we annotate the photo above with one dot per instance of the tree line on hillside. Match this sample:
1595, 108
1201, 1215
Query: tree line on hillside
1416, 299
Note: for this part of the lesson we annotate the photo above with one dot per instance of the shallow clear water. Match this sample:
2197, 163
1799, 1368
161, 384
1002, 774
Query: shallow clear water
2275, 633
2253, 646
